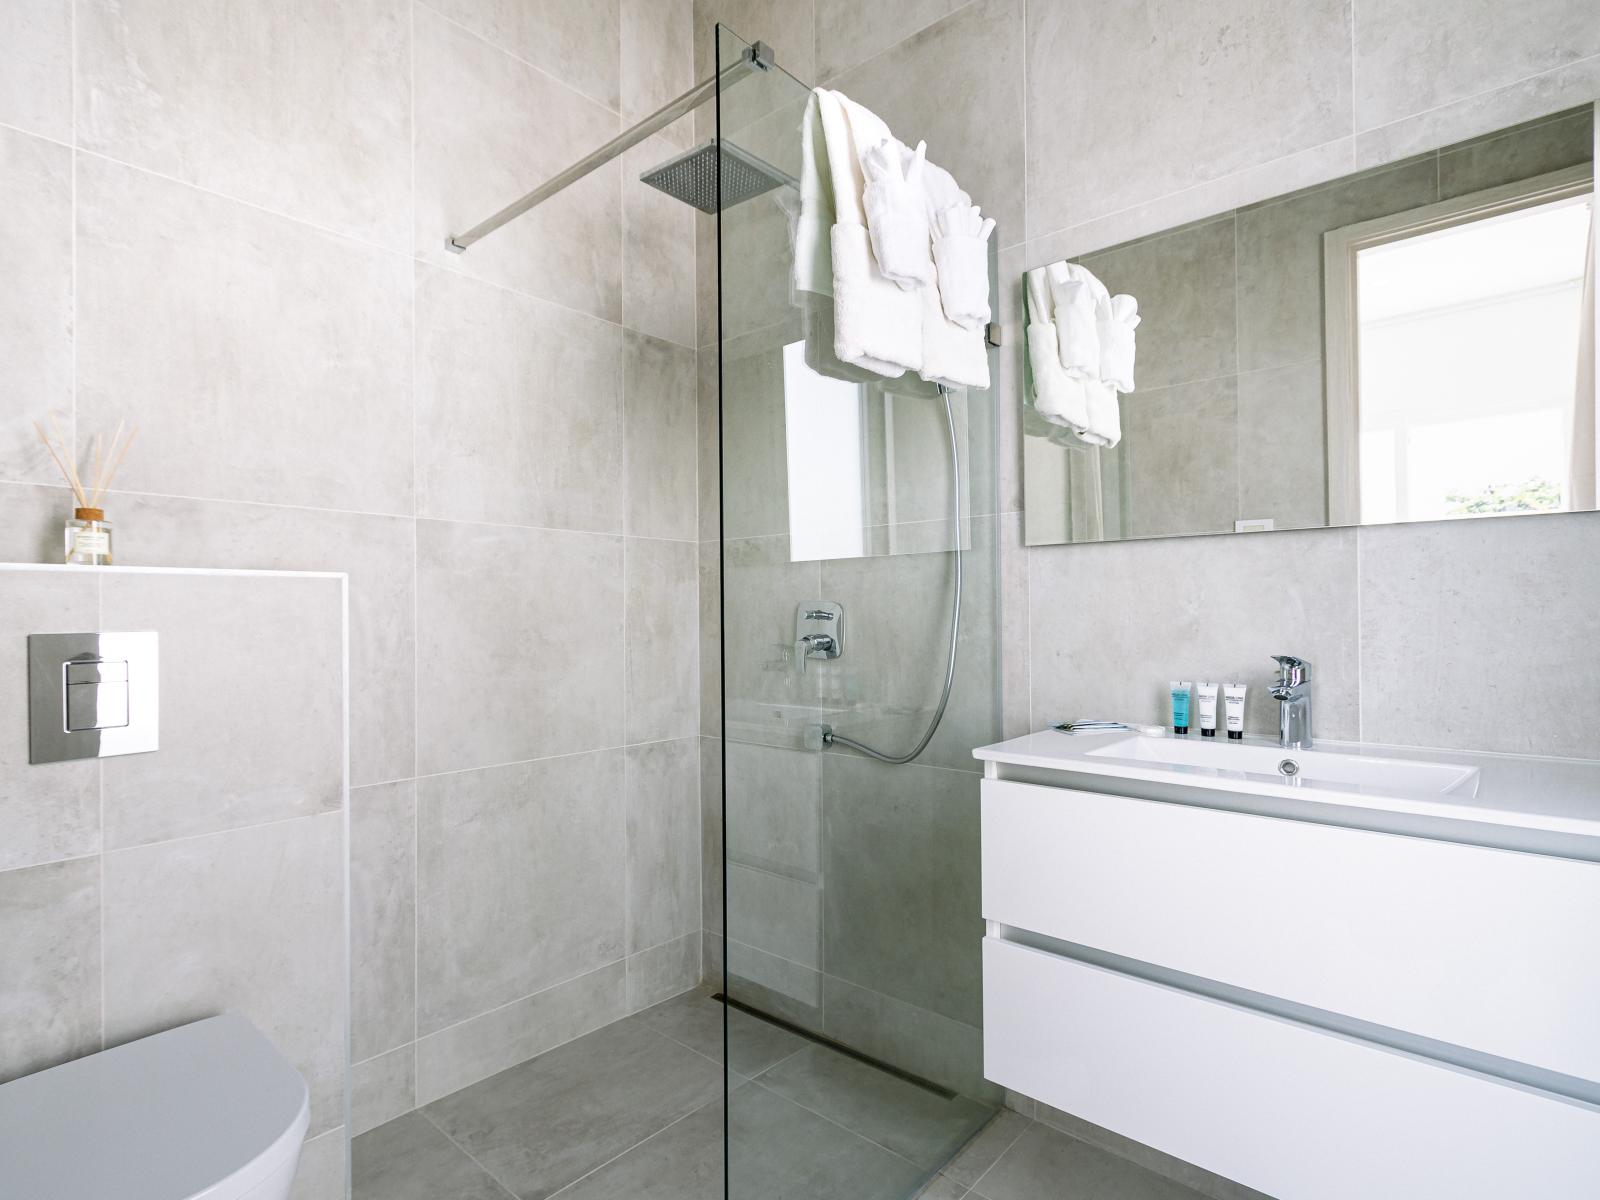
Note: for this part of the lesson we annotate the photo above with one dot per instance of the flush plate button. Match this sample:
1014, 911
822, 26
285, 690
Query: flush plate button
92, 695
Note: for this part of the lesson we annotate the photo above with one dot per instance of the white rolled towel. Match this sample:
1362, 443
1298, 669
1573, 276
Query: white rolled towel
961, 254
1075, 296
876, 324
897, 215
1116, 325
951, 354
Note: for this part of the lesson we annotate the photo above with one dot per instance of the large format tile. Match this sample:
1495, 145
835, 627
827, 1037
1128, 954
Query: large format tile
1493, 611
495, 440
663, 821
485, 1045
959, 85
520, 881
383, 918
250, 921
301, 107
849, 33
52, 810
984, 1150
1220, 88
36, 67
696, 1020
36, 309
376, 552
1208, 1183
901, 905
261, 741
657, 54
261, 360
773, 818
573, 40
410, 1159
664, 971
660, 432
522, 621
1519, 153
1415, 55
382, 1088
322, 1169
1153, 606
490, 128
1180, 459
546, 1123
1283, 465
913, 1122
1047, 1165
663, 639
777, 1148
682, 1162
658, 247
50, 961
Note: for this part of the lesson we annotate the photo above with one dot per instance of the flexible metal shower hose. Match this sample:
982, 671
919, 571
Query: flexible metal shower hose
829, 737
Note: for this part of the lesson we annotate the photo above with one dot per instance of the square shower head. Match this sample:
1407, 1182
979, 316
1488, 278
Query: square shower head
692, 177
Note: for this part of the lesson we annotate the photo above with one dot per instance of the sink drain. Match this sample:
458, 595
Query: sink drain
1288, 768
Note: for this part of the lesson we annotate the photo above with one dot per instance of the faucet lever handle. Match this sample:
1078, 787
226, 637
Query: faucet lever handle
1292, 671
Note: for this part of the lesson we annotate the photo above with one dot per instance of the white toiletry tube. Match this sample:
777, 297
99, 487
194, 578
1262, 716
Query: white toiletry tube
1233, 709
1180, 707
1206, 693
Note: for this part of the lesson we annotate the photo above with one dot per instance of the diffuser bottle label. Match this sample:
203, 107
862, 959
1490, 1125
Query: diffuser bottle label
91, 541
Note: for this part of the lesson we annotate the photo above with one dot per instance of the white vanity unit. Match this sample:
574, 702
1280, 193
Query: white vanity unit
1327, 974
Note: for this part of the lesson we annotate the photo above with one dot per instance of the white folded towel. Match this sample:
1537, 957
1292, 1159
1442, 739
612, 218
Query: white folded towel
876, 324
897, 214
813, 254
1076, 297
1116, 341
951, 354
1104, 426
960, 251
1058, 397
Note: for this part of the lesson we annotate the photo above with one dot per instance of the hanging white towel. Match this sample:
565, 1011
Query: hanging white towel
1116, 341
950, 354
1076, 296
897, 214
961, 254
1057, 396
1104, 427
813, 225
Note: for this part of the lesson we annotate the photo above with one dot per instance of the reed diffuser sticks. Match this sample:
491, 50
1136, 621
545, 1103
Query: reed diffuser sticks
107, 460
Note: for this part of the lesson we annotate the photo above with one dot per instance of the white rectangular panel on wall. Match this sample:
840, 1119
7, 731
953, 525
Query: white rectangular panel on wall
1295, 1112
1490, 949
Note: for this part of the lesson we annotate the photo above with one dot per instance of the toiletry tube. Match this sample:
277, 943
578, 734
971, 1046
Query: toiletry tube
1207, 693
1180, 707
1233, 709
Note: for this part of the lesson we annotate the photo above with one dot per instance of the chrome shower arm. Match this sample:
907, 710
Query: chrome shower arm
757, 57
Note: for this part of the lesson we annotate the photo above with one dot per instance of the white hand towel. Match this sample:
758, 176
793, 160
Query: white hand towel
877, 324
816, 319
1075, 296
813, 254
849, 130
951, 354
1104, 426
897, 212
960, 251
1117, 343
1057, 396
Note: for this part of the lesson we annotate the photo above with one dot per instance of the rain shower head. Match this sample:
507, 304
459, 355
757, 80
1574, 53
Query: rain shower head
692, 177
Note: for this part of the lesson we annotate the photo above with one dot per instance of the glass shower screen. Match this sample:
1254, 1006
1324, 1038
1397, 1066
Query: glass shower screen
849, 924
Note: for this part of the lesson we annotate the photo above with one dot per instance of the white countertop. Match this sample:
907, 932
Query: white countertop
1547, 795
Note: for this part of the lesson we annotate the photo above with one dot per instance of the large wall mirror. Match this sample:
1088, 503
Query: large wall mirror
1414, 342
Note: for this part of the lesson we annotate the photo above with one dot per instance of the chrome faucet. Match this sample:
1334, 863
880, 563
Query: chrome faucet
1292, 691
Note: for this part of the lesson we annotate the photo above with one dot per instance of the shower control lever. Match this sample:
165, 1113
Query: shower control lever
818, 633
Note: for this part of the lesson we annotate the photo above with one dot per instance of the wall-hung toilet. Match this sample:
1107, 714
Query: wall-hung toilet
208, 1111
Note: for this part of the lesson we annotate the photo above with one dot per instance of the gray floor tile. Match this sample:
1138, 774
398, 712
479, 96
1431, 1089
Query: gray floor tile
1047, 1165
553, 1119
942, 1187
780, 1151
408, 1159
983, 1151
910, 1120
682, 1162
695, 1019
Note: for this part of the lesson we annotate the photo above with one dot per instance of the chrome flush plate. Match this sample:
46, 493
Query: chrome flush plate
92, 695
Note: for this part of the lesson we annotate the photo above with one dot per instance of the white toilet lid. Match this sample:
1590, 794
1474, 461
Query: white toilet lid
169, 1117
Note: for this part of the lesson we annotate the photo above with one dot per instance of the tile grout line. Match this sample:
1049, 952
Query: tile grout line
602, 1166
495, 1179
416, 630
1029, 1123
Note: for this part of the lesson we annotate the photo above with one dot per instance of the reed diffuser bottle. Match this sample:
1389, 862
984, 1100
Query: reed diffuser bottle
87, 536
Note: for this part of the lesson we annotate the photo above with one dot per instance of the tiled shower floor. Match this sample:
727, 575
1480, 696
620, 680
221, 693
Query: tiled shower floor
636, 1110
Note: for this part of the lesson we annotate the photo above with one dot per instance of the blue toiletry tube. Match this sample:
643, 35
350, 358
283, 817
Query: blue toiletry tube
1180, 707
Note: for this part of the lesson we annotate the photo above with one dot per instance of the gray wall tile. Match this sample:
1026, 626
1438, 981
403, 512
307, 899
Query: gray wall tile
1239, 83
663, 971
50, 811
321, 1172
663, 832
36, 67
36, 309
383, 918
520, 620
663, 652
519, 408
1180, 458
301, 107
1415, 55
658, 246
657, 54
849, 33
660, 432
252, 725
1283, 471
50, 961
382, 1088
711, 834
490, 128
1517, 154
288, 331
520, 881
1473, 634
250, 921
573, 40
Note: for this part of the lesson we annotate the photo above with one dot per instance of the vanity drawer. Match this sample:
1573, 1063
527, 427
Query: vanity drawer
1296, 1112
1493, 950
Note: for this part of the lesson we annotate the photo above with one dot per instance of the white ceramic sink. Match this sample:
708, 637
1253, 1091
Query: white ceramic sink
1311, 769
